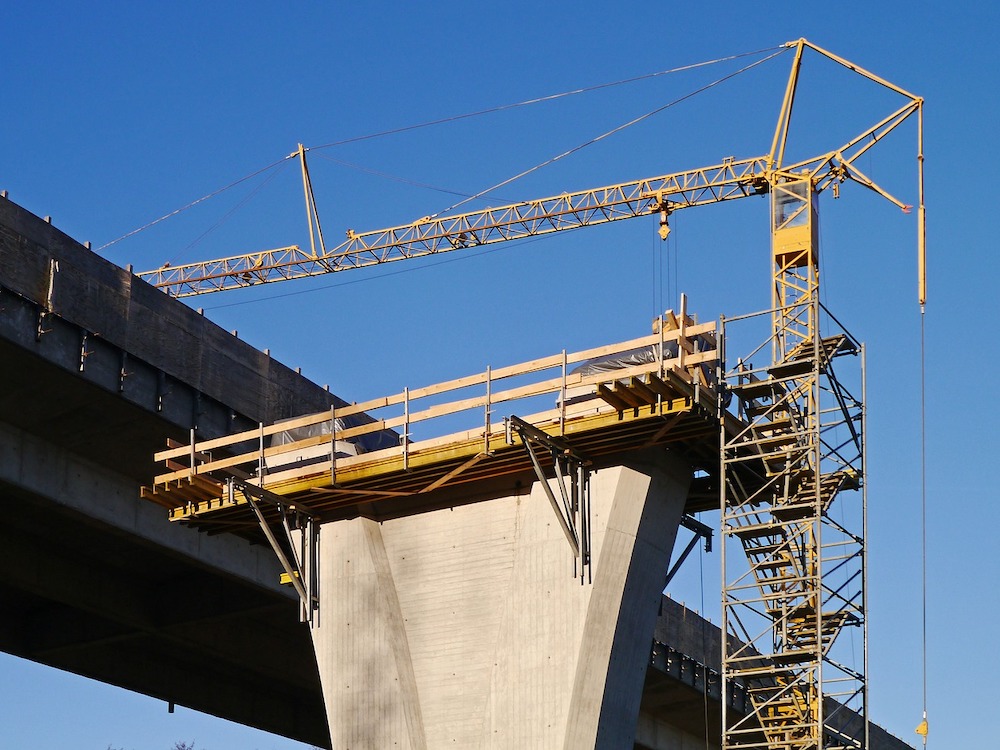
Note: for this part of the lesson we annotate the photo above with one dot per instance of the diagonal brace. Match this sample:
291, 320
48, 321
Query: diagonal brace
293, 568
563, 455
701, 531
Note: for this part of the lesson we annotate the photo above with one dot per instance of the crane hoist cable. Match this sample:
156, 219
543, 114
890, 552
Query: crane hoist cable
922, 727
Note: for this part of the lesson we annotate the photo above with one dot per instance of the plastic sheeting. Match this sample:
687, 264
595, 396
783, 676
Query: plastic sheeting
367, 443
644, 355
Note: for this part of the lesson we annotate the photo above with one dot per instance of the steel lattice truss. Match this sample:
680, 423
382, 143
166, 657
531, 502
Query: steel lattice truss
429, 236
793, 511
732, 179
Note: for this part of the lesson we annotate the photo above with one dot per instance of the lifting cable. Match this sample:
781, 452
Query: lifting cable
401, 180
453, 118
922, 728
704, 646
281, 165
193, 203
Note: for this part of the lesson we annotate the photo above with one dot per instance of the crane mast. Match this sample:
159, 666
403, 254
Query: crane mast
799, 453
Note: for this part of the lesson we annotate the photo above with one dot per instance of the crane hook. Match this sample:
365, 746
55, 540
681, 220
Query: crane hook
664, 225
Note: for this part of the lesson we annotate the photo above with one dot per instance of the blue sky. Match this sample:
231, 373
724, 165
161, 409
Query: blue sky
116, 114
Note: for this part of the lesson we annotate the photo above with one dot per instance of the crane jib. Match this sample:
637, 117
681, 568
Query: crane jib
729, 180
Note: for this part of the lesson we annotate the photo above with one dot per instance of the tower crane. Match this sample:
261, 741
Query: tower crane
780, 473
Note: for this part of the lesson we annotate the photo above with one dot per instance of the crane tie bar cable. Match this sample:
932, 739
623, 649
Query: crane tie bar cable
441, 121
542, 99
609, 133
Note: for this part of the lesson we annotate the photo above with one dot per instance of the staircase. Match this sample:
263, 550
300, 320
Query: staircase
779, 486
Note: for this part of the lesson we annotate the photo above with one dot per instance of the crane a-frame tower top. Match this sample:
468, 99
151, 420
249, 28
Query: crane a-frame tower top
780, 473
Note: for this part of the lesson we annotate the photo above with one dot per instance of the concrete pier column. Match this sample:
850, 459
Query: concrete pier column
465, 627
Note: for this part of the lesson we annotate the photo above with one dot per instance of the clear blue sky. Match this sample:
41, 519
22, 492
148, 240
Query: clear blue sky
115, 114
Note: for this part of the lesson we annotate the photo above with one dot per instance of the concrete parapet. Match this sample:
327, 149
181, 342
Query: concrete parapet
115, 309
465, 627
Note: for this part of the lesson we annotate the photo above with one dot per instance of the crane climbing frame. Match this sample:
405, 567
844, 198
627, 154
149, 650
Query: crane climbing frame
788, 445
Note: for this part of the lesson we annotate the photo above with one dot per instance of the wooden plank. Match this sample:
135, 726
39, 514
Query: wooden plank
444, 387
364, 492
250, 457
247, 435
439, 451
625, 394
454, 473
466, 446
613, 398
640, 388
666, 428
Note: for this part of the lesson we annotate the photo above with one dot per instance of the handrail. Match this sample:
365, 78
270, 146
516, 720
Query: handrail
686, 363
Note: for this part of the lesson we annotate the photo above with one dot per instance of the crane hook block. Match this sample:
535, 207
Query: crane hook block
664, 225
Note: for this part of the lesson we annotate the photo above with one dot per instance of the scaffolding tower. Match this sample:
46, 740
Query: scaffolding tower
793, 508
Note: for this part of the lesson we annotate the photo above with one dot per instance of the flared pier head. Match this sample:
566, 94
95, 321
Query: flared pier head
468, 626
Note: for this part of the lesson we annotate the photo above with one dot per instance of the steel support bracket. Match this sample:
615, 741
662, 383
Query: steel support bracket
301, 566
701, 531
572, 508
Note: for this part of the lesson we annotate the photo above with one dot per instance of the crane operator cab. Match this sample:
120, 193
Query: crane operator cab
795, 254
795, 224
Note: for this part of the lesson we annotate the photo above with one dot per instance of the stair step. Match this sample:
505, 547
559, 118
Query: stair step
798, 611
793, 512
758, 388
773, 565
766, 549
790, 368
759, 531
776, 439
775, 423
792, 657
830, 346
755, 410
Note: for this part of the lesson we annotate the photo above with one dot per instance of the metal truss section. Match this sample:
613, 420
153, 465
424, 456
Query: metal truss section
431, 235
731, 179
572, 508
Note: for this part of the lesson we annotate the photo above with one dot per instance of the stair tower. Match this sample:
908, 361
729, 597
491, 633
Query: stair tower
793, 507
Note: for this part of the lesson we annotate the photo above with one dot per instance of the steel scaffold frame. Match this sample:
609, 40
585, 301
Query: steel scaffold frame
793, 506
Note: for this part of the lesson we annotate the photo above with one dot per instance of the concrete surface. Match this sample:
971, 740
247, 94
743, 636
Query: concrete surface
465, 627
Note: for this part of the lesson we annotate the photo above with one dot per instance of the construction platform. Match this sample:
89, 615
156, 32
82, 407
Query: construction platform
597, 404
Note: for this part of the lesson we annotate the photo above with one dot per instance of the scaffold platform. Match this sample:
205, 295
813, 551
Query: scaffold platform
599, 404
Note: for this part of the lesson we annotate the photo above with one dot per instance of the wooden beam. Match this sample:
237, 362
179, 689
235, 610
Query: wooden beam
454, 472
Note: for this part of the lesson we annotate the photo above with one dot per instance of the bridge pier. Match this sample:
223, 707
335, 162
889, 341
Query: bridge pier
465, 626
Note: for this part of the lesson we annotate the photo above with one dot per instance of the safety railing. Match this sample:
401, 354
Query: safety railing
678, 362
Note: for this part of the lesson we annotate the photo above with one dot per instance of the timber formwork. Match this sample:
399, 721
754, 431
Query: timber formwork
663, 394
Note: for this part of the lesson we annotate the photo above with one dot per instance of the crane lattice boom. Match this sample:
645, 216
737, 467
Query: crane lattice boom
430, 235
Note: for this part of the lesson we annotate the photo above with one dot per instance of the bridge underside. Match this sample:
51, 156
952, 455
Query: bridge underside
98, 583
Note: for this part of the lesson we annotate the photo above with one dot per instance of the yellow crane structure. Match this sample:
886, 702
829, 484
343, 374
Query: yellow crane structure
799, 580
